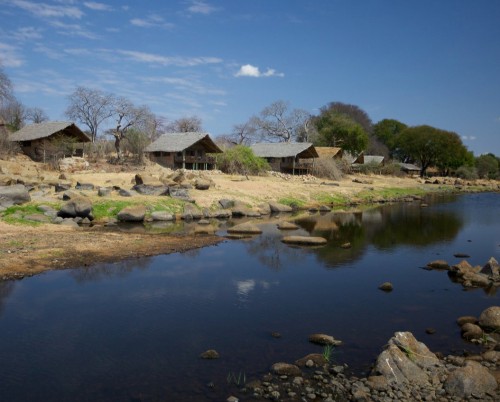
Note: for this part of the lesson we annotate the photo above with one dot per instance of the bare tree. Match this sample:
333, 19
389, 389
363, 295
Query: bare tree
13, 113
185, 125
5, 87
36, 115
277, 122
245, 133
91, 107
127, 116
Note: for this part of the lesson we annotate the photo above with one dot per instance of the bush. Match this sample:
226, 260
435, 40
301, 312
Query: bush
467, 173
7, 147
241, 160
392, 169
327, 168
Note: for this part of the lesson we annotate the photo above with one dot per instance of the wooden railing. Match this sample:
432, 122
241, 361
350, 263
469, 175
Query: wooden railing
194, 159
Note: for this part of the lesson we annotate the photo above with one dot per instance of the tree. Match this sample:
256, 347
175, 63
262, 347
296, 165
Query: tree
185, 125
277, 123
5, 87
339, 130
431, 146
245, 133
36, 115
13, 113
91, 107
386, 131
487, 166
355, 113
127, 116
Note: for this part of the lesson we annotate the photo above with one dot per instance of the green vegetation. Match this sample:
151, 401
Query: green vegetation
239, 379
292, 202
389, 193
327, 352
241, 160
16, 213
110, 208
332, 199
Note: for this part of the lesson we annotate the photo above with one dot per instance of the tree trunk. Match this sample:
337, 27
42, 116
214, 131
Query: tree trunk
117, 146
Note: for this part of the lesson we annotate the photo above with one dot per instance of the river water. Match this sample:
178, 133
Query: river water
133, 331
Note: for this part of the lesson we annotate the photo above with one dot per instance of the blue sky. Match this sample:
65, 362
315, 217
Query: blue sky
417, 61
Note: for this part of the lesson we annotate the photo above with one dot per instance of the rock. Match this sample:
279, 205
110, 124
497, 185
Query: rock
162, 216
70, 223
14, 195
48, 210
60, 187
191, 212
76, 207
178, 177
147, 180
490, 318
438, 264
471, 331
324, 208
277, 207
232, 399
84, 186
241, 209
103, 191
473, 379
286, 369
465, 319
73, 164
323, 339
221, 214
124, 193
491, 269
226, 204
304, 240
202, 184
386, 287
264, 209
180, 194
148, 189
492, 356
346, 245
245, 228
68, 195
430, 331
134, 213
287, 226
463, 268
377, 383
405, 360
38, 218
210, 354
316, 359
461, 255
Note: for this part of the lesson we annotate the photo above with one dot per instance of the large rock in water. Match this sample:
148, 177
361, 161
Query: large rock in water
245, 228
473, 379
134, 213
76, 207
277, 207
406, 361
304, 240
490, 318
14, 195
285, 369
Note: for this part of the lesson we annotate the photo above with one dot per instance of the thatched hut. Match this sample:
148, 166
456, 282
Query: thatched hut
184, 150
42, 141
287, 157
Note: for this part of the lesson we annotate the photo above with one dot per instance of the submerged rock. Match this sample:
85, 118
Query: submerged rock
287, 226
210, 354
304, 240
323, 339
386, 287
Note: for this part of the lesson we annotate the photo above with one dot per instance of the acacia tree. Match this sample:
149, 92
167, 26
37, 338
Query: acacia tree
355, 113
431, 146
487, 166
339, 130
127, 116
185, 125
91, 107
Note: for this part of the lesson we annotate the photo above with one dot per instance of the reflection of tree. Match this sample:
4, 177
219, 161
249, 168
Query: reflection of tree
6, 288
100, 271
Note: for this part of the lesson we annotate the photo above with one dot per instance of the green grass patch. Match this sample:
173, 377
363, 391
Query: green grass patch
389, 193
331, 199
15, 214
110, 208
292, 201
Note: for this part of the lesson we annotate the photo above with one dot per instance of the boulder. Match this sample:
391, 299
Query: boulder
162, 216
463, 268
286, 369
386, 287
84, 186
210, 354
68, 195
438, 264
226, 204
124, 193
191, 212
134, 213
180, 194
245, 228
70, 222
277, 207
148, 189
323, 339
473, 379
60, 187
14, 195
287, 226
491, 269
304, 240
104, 191
148, 180
490, 318
76, 207
202, 184
471, 331
465, 319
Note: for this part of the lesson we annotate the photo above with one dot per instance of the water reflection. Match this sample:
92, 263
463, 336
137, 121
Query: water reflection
6, 288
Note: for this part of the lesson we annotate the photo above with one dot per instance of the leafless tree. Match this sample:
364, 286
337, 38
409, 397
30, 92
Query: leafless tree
13, 113
36, 115
5, 88
277, 123
245, 133
91, 107
185, 125
127, 116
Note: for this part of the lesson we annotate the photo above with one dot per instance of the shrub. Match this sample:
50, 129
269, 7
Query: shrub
467, 173
392, 169
241, 160
7, 147
327, 168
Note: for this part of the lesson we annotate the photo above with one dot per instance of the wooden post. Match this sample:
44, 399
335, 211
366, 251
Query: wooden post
293, 167
184, 159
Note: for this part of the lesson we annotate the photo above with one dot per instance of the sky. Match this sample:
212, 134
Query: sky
416, 61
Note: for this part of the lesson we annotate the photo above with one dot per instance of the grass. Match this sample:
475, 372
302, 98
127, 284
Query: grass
16, 213
292, 201
239, 379
327, 352
389, 193
331, 199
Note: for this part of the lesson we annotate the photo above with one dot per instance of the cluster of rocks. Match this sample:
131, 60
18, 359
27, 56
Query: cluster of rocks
304, 178
483, 330
487, 276
406, 370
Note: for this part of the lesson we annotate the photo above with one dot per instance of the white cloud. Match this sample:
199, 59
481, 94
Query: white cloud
27, 33
9, 56
468, 138
152, 21
73, 30
97, 6
200, 7
248, 70
166, 61
47, 10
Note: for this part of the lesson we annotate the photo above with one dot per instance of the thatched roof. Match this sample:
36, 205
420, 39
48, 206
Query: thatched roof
284, 150
47, 129
374, 159
329, 152
177, 142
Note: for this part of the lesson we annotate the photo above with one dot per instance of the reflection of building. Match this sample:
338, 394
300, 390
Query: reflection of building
287, 157
52, 138
184, 150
